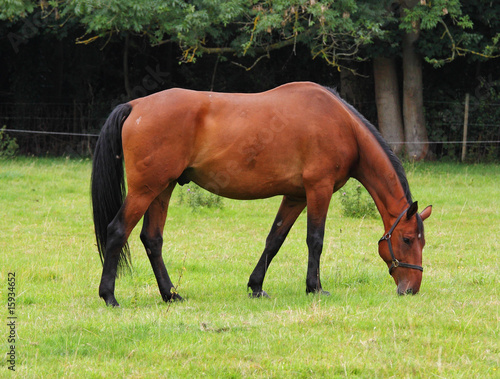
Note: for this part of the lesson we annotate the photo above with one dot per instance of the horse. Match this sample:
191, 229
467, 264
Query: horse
301, 141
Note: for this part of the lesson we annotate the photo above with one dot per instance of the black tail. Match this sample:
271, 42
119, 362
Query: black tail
108, 182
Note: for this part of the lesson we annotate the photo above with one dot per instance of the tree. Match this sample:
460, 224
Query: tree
447, 18
411, 19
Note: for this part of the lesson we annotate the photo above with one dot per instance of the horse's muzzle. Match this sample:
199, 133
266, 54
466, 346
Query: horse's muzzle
405, 289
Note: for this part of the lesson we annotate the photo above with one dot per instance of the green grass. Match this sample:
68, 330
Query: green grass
450, 329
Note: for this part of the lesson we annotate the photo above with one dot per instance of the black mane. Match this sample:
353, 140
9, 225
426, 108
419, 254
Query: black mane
396, 163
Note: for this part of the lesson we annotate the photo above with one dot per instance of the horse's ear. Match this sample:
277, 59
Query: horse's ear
412, 210
426, 212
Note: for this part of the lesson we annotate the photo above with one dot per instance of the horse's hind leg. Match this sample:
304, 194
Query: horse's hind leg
152, 238
118, 232
287, 214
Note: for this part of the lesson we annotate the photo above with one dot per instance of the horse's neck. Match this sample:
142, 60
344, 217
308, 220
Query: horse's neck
377, 174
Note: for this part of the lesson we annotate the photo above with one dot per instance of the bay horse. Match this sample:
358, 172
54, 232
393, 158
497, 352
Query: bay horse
300, 141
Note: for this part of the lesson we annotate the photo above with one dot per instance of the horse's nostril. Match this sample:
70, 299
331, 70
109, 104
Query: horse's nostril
408, 291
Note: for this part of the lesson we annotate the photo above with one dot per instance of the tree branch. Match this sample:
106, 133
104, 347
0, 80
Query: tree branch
257, 50
254, 63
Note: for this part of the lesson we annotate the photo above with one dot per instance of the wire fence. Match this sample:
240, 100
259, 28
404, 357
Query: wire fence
52, 129
51, 133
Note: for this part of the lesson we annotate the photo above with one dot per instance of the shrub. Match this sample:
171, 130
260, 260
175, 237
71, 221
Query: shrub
356, 201
196, 197
8, 145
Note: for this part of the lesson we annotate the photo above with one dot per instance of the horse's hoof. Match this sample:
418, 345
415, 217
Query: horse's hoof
110, 301
257, 294
113, 303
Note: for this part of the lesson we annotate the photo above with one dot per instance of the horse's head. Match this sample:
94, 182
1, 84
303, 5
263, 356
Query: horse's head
401, 248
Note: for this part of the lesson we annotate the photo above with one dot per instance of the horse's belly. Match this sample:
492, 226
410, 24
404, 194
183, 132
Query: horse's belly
232, 181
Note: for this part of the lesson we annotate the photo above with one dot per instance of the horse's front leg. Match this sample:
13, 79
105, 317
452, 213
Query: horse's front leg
287, 214
318, 201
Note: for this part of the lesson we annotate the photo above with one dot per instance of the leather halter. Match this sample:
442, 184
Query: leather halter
387, 237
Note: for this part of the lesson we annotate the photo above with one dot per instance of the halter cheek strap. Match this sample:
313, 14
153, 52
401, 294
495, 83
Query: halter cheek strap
395, 262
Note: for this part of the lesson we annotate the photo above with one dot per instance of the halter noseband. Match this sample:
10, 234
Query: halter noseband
387, 237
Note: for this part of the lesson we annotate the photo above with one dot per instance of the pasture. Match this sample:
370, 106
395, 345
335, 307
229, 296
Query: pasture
450, 329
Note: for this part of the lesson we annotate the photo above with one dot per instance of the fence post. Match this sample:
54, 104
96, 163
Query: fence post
466, 123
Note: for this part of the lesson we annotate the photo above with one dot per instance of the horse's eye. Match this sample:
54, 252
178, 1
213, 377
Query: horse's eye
406, 240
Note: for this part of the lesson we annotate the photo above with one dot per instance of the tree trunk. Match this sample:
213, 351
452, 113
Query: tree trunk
390, 120
413, 103
348, 90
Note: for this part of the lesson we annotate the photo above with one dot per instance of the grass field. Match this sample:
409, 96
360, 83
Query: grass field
63, 329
